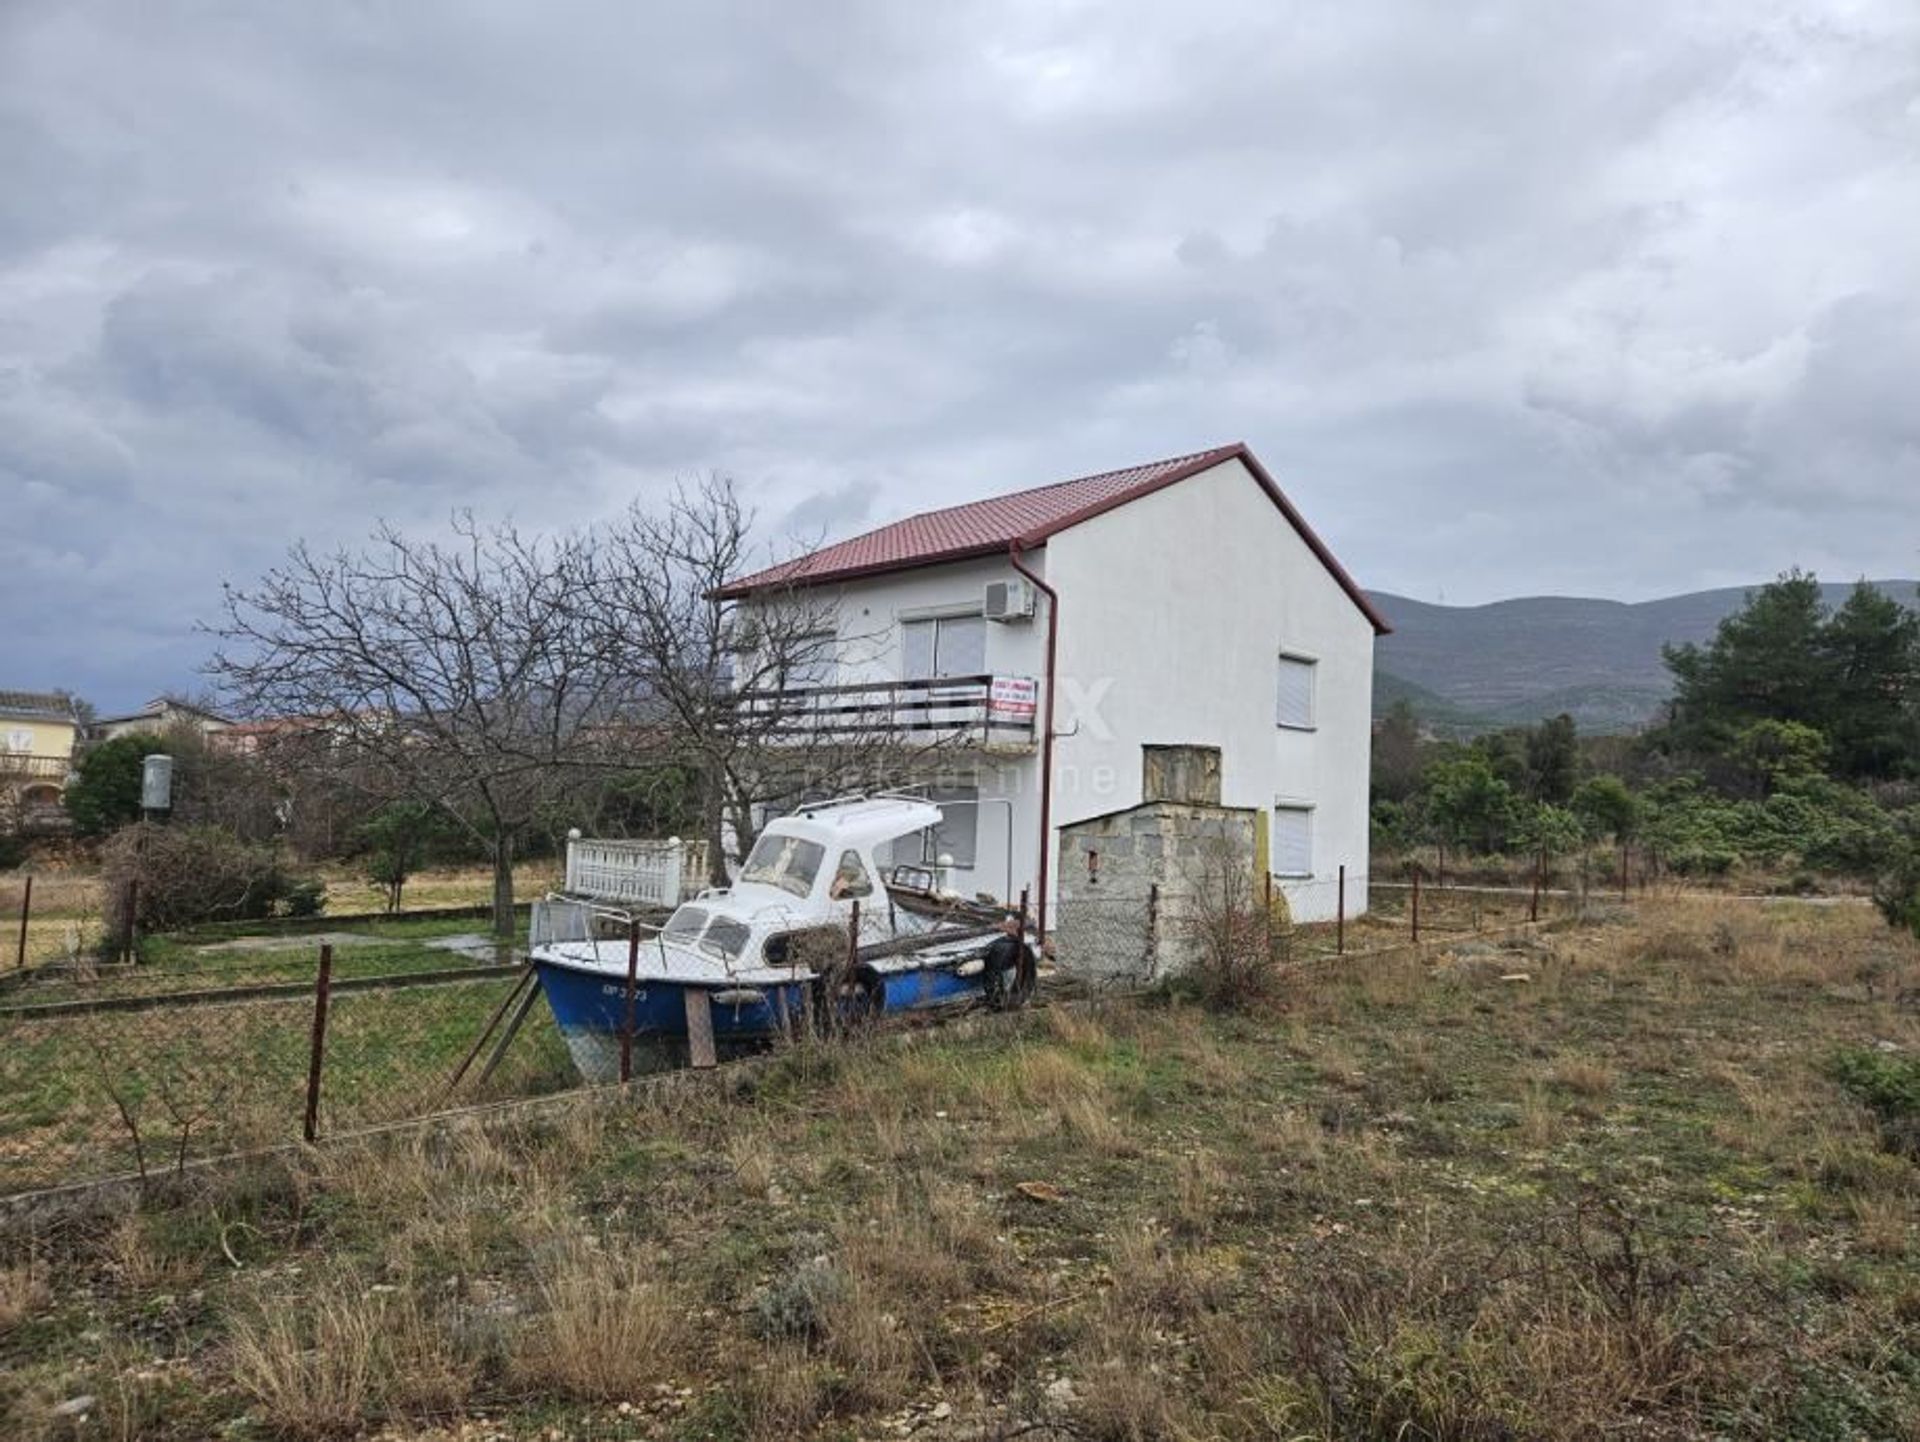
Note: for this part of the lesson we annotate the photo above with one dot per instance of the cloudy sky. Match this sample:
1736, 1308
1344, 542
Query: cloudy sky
1611, 299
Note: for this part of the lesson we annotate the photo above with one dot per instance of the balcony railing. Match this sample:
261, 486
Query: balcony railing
15, 765
995, 711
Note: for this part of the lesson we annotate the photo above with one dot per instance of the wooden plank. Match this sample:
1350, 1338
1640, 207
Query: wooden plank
700, 1029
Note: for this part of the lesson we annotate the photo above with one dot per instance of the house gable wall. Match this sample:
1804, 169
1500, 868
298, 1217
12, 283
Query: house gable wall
1175, 610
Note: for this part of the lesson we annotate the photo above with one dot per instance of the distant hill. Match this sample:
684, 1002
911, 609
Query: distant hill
1473, 668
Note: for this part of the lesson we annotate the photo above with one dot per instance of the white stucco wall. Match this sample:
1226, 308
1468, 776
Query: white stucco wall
1175, 609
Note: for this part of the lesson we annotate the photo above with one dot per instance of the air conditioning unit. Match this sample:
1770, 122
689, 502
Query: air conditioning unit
1009, 601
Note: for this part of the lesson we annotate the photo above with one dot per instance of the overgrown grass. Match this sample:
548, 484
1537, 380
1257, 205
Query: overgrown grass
1632, 1193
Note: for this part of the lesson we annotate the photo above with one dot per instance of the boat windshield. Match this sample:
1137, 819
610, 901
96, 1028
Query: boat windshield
720, 936
686, 923
788, 862
725, 937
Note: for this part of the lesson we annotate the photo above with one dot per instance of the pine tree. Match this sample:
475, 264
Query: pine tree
1872, 651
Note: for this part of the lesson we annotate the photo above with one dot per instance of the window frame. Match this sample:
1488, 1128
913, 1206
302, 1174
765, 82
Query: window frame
1304, 809
865, 887
1284, 659
939, 620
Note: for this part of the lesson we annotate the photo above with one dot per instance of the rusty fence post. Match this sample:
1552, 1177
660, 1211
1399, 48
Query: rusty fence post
1539, 870
633, 985
321, 986
126, 932
26, 910
1267, 881
1153, 927
1416, 901
1340, 914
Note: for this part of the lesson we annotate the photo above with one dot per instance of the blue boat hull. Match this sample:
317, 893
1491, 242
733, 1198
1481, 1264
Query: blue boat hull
590, 1009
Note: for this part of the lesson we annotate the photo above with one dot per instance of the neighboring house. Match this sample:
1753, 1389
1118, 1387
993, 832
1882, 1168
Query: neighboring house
37, 734
1195, 609
158, 716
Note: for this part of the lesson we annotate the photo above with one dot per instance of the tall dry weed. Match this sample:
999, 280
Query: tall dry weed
609, 1328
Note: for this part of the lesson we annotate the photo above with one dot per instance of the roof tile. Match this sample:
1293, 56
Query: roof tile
984, 527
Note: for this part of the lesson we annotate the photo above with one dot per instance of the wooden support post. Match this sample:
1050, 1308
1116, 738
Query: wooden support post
512, 1029
1539, 870
487, 1031
1623, 871
26, 910
633, 984
1340, 914
322, 982
133, 907
700, 1029
1416, 901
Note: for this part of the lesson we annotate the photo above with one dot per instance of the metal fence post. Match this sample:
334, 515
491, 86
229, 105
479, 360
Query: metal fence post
1268, 882
26, 910
1539, 868
322, 983
1416, 901
133, 907
1623, 871
1153, 927
633, 982
1340, 914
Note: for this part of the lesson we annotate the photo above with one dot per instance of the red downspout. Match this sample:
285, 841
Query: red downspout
1046, 735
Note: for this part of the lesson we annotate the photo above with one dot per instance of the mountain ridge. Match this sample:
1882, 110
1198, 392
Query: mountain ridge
1517, 660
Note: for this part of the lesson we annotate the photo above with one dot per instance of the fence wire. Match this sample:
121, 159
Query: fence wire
200, 1051
390, 1055
97, 1093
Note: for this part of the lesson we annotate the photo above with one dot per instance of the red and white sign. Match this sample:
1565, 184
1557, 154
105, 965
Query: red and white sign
1012, 698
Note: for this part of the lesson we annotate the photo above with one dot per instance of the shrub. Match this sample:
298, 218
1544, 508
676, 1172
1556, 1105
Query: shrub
794, 1306
1888, 1085
190, 875
1897, 892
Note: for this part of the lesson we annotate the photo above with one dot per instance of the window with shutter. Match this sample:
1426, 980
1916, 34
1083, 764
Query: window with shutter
1293, 706
1292, 841
939, 647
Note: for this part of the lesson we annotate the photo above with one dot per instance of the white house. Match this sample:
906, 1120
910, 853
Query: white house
1183, 602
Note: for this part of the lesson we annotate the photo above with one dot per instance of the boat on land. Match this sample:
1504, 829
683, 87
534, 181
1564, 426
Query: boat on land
813, 933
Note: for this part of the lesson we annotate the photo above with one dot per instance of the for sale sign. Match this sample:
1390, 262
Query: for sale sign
1012, 698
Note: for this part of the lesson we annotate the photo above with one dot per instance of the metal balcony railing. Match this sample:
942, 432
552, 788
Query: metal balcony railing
980, 710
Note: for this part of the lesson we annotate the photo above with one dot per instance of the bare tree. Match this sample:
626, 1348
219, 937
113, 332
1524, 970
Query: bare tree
732, 685
472, 676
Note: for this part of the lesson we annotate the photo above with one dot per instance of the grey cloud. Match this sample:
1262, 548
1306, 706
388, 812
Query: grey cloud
1611, 299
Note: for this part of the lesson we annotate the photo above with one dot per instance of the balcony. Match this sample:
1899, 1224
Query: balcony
991, 712
17, 766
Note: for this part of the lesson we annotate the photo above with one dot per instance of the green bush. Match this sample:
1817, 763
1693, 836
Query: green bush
1888, 1085
1897, 890
104, 794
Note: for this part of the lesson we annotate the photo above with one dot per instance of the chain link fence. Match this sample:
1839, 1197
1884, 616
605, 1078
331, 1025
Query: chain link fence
231, 1045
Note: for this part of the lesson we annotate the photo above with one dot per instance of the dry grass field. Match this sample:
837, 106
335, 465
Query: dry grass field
1597, 1185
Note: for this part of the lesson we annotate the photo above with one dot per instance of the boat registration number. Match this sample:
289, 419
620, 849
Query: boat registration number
639, 992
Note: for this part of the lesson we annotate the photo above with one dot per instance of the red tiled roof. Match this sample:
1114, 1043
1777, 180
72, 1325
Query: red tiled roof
1025, 518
